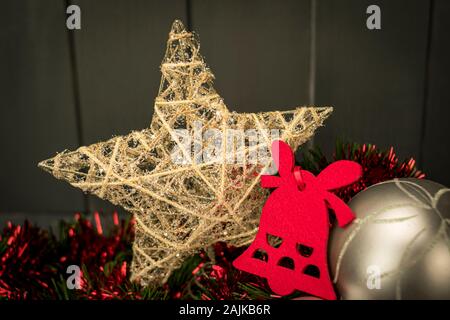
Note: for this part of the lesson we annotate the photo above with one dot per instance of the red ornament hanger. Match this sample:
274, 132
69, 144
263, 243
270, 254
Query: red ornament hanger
290, 248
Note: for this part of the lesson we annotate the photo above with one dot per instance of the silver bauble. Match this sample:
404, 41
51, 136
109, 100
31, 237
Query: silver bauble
398, 246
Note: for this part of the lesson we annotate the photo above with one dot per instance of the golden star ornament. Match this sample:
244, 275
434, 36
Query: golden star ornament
186, 179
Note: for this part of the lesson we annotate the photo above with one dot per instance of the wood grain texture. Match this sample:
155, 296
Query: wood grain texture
119, 50
36, 108
258, 51
382, 87
436, 150
374, 78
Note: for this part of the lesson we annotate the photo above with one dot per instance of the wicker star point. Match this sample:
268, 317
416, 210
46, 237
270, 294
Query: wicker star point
181, 208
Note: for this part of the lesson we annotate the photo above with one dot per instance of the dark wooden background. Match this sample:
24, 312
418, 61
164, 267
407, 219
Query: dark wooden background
61, 89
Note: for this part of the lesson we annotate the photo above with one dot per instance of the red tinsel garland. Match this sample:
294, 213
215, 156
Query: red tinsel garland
33, 262
26, 261
378, 166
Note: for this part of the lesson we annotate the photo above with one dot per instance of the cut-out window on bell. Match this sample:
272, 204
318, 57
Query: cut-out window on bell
286, 262
261, 254
274, 241
312, 270
304, 251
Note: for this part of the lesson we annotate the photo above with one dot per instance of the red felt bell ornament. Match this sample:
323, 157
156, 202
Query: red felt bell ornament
290, 248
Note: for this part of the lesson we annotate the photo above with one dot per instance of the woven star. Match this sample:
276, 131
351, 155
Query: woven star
182, 206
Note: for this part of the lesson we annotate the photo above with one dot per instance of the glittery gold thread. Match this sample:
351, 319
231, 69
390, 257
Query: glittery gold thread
180, 209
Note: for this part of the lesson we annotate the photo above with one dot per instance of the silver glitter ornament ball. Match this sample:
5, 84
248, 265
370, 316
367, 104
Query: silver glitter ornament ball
398, 246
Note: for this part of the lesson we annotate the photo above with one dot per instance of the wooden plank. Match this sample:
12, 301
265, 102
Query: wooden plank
258, 51
37, 109
373, 78
436, 155
119, 50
